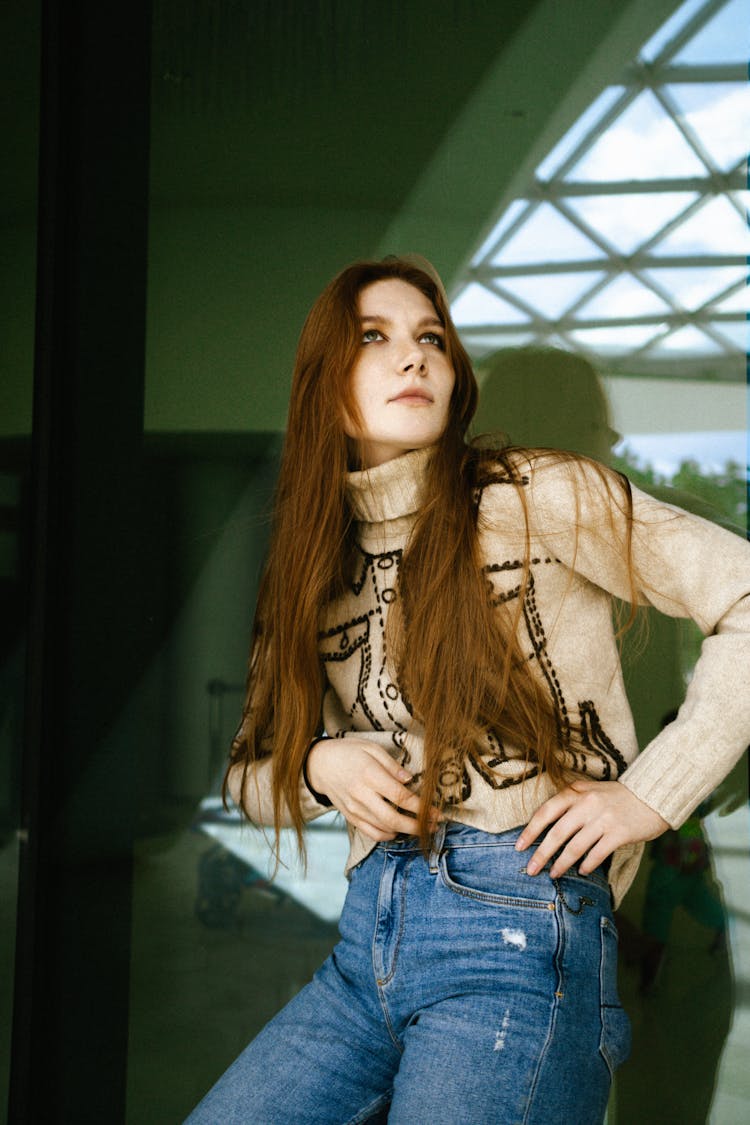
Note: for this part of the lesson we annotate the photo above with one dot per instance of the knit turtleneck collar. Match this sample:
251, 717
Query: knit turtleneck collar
390, 490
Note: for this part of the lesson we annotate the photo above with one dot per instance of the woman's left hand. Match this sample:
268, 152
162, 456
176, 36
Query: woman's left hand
591, 819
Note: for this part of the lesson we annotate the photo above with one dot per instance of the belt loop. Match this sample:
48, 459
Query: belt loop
437, 847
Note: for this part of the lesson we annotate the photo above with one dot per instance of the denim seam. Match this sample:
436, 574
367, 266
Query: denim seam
388, 1022
381, 981
486, 896
388, 977
605, 924
555, 1008
374, 942
365, 1115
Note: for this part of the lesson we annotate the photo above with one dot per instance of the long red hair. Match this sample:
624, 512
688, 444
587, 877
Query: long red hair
462, 653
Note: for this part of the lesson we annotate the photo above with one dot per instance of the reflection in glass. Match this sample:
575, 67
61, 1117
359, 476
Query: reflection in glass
683, 927
734, 331
217, 947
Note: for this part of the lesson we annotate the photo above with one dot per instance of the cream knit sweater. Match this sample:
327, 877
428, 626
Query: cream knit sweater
685, 567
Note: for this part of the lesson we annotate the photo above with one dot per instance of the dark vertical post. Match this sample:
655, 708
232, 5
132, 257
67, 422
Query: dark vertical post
86, 628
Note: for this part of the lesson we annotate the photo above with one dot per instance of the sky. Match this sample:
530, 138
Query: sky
710, 448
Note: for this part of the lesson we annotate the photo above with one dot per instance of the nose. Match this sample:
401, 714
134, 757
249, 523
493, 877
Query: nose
414, 362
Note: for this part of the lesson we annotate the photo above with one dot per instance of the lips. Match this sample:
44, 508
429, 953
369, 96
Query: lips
412, 394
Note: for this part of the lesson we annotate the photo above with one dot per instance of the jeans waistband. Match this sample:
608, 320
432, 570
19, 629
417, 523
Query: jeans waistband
454, 834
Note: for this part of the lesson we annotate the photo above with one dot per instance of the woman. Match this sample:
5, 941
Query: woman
442, 614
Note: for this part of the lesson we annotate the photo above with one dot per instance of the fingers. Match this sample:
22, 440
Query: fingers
380, 821
393, 811
570, 828
367, 786
389, 764
585, 823
545, 815
576, 826
377, 780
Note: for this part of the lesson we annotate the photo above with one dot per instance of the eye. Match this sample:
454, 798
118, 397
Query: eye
371, 335
433, 338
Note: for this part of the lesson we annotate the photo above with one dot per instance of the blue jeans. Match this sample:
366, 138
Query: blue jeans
462, 992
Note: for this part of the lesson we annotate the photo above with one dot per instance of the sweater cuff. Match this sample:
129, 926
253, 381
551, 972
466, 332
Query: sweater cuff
319, 797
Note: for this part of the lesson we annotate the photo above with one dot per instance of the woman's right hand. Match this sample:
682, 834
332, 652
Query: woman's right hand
366, 785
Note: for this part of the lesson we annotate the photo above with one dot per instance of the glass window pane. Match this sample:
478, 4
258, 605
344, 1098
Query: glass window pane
719, 113
670, 29
588, 120
219, 944
614, 340
693, 286
477, 305
625, 296
715, 228
505, 221
547, 236
642, 144
739, 301
20, 50
686, 341
552, 294
627, 221
484, 343
712, 449
723, 39
737, 332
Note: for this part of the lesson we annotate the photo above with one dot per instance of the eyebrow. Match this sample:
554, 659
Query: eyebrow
422, 323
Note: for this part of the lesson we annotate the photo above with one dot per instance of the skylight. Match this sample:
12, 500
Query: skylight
631, 241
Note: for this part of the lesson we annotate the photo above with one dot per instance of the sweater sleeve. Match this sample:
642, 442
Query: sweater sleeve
684, 566
258, 789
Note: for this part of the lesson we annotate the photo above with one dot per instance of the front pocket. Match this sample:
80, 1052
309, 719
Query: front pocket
614, 1043
494, 873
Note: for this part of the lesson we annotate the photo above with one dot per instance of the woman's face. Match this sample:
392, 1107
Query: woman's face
402, 381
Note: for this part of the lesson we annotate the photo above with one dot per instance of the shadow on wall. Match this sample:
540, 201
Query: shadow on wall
545, 397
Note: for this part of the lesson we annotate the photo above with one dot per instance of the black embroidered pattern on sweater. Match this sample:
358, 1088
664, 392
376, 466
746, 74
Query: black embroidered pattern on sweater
595, 740
502, 477
341, 641
488, 763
